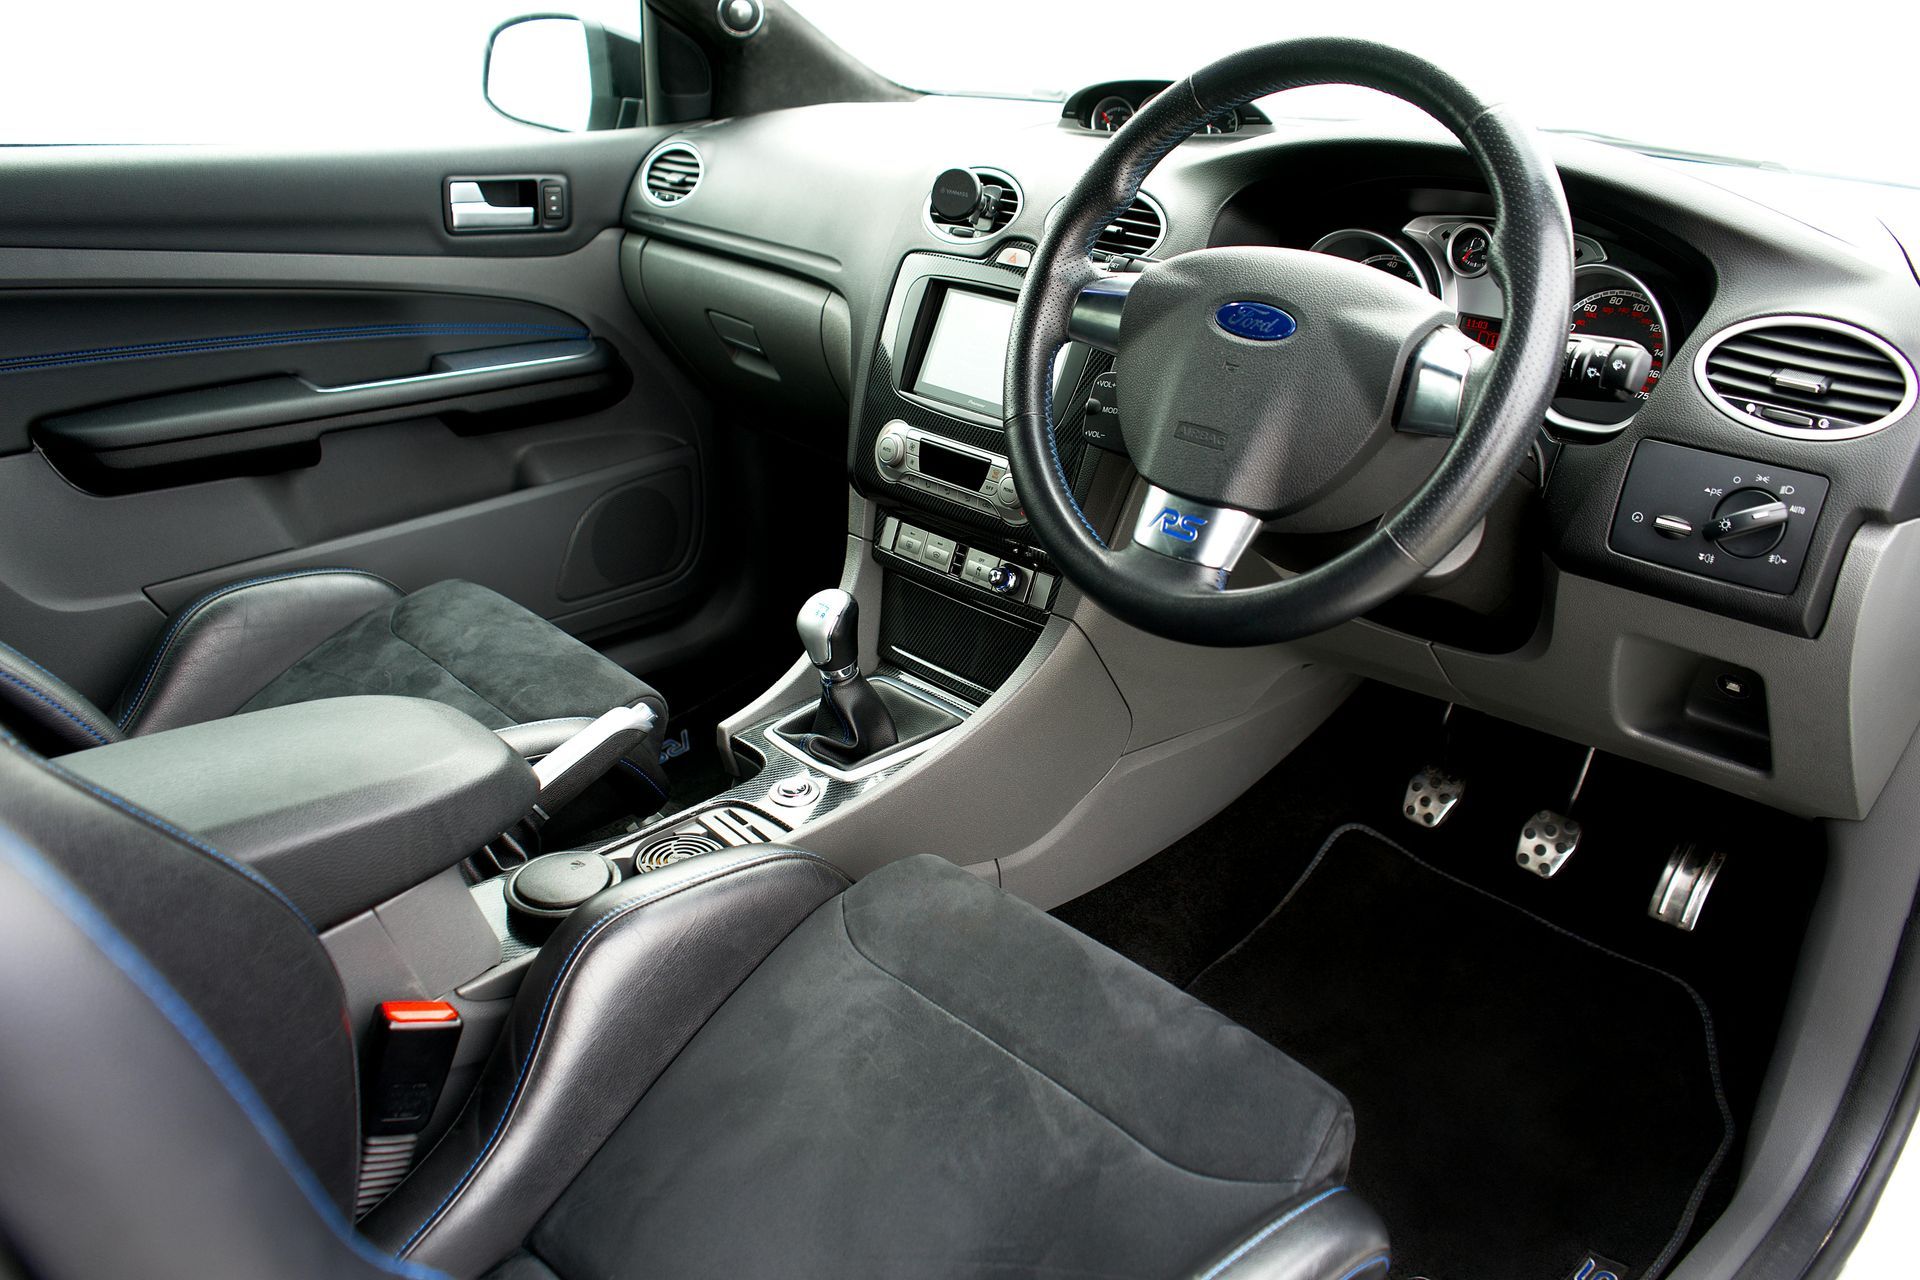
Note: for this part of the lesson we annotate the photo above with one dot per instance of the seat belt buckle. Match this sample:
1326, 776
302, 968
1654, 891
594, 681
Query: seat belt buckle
408, 1054
408, 1057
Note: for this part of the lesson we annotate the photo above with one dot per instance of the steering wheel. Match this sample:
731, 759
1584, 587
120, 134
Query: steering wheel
1255, 381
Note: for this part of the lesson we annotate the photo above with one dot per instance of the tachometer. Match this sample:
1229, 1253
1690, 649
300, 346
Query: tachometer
1110, 113
1374, 250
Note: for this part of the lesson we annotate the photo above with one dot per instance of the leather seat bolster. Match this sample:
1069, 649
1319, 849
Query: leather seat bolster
192, 1168
615, 994
1330, 1234
230, 644
49, 714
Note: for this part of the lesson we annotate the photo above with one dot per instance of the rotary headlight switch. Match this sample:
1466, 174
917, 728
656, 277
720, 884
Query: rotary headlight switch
1748, 523
1737, 520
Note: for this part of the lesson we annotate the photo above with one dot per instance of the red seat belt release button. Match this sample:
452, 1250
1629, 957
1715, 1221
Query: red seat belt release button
408, 1055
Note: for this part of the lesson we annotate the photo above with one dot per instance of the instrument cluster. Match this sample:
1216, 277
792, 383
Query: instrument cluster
1617, 328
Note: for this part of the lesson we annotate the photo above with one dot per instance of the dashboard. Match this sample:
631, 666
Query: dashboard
1104, 108
1709, 562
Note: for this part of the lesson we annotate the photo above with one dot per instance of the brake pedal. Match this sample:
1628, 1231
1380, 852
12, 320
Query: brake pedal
1547, 840
1431, 796
1550, 837
1681, 894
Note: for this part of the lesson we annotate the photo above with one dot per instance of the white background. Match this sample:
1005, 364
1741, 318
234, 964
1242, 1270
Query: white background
1827, 87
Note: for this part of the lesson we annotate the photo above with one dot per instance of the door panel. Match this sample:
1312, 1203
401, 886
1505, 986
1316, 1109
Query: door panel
228, 200
584, 498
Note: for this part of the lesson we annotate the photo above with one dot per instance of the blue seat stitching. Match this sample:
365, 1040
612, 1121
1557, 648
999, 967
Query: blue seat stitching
1248, 1245
546, 1008
186, 615
133, 810
241, 342
35, 691
1376, 1260
642, 774
206, 1046
30, 662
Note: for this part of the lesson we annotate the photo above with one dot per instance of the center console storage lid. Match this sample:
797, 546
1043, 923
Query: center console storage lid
342, 803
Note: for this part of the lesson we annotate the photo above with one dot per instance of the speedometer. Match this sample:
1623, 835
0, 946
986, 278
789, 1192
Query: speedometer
1625, 315
1612, 305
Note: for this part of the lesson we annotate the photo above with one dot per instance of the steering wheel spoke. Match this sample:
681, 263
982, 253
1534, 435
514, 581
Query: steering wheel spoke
1435, 392
1094, 318
1182, 529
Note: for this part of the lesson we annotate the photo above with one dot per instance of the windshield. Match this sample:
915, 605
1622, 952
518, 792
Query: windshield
1815, 88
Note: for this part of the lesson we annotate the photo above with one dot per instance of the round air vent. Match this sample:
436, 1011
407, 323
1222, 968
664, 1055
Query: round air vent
677, 847
1136, 233
1000, 203
1805, 377
671, 173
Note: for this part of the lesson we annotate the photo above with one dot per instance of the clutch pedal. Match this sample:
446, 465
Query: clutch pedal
1431, 796
1681, 894
1433, 792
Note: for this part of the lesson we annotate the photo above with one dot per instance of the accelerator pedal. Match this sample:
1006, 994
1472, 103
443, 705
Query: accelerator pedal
1685, 882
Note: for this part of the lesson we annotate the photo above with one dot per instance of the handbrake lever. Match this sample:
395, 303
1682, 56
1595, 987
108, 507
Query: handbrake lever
583, 759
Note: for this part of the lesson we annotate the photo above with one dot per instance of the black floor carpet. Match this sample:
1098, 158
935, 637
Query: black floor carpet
1181, 911
1524, 1096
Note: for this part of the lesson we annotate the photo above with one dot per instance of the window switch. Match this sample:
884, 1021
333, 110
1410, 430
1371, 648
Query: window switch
553, 203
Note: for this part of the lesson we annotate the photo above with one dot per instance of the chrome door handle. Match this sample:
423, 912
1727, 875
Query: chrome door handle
471, 212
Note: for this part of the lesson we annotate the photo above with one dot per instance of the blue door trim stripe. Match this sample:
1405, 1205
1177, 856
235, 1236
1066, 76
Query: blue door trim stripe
280, 338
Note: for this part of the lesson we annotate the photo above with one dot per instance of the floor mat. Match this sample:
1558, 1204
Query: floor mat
1523, 1097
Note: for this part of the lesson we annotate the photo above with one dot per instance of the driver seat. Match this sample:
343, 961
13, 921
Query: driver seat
738, 1065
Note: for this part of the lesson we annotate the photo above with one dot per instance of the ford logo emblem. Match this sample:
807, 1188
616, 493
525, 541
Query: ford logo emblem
1255, 320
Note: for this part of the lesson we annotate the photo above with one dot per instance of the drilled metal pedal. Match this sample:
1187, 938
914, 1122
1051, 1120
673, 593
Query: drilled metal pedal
1547, 840
1681, 894
1431, 796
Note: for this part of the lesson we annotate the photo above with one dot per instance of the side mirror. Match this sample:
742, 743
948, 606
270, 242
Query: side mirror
564, 73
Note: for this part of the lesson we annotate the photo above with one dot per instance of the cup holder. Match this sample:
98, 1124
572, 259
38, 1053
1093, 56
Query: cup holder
673, 847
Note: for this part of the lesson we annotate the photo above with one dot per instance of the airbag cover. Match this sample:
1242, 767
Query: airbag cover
1261, 378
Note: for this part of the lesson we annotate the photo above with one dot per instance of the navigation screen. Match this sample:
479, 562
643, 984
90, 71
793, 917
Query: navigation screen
966, 357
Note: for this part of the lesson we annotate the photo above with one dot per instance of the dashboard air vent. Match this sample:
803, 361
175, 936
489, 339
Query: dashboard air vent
1804, 376
671, 173
1007, 199
1137, 232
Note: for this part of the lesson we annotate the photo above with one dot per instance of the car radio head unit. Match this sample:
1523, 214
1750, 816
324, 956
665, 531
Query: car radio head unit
948, 469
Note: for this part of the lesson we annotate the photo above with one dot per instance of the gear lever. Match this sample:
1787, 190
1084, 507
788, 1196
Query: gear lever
852, 722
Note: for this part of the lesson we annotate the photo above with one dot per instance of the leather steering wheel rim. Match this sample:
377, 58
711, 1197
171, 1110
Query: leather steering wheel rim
1531, 263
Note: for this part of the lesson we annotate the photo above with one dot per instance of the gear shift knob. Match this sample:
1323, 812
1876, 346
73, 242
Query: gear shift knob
829, 625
